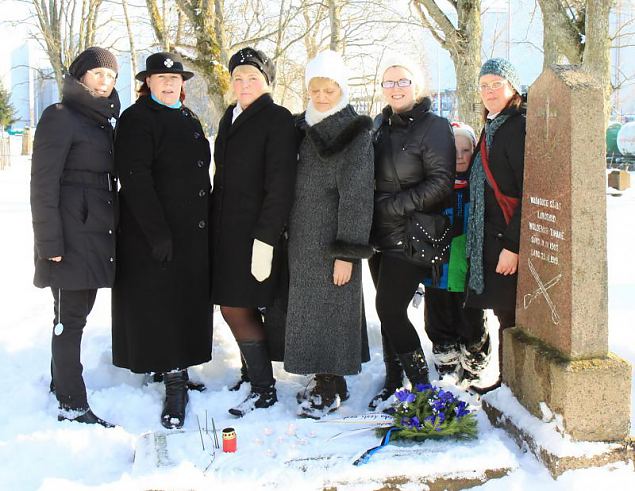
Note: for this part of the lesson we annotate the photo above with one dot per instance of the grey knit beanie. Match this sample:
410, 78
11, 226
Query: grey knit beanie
502, 68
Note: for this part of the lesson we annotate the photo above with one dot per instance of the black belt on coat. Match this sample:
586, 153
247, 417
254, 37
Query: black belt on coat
89, 179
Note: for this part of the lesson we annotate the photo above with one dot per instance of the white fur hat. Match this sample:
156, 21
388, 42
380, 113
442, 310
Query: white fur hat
396, 59
465, 130
328, 64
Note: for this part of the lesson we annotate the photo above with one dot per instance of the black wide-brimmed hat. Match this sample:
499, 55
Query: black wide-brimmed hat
163, 63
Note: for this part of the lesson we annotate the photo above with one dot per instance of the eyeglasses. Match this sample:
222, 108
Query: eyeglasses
493, 86
402, 82
100, 73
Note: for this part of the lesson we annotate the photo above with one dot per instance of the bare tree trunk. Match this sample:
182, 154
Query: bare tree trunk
201, 15
463, 42
597, 48
335, 18
577, 32
133, 51
562, 40
157, 21
64, 32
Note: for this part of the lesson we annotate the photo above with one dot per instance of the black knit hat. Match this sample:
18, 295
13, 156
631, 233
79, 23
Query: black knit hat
255, 58
163, 63
90, 58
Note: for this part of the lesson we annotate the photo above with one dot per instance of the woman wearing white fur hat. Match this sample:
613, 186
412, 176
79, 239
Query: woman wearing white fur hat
328, 236
414, 171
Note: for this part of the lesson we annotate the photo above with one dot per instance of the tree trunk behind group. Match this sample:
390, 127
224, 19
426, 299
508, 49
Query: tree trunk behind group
577, 32
597, 48
335, 18
133, 51
463, 43
203, 15
65, 31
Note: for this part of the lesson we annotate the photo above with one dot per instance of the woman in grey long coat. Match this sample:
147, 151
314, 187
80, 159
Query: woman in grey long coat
328, 236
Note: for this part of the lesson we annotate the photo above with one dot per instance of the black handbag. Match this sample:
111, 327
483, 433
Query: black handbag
427, 236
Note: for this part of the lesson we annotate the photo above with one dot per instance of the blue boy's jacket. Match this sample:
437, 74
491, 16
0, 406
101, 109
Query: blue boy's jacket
455, 270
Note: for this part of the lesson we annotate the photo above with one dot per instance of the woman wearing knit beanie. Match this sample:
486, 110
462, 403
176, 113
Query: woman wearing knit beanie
496, 188
328, 238
255, 155
73, 203
414, 171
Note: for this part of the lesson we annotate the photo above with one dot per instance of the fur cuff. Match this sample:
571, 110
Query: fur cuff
350, 252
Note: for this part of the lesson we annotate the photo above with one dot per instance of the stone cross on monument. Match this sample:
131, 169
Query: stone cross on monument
556, 359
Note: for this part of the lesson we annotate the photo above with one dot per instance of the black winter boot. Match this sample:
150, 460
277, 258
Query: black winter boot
173, 414
263, 392
394, 377
82, 416
447, 360
323, 397
475, 357
244, 375
191, 385
415, 366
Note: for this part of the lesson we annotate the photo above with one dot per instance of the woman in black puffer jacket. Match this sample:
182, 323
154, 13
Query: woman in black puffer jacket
419, 146
73, 203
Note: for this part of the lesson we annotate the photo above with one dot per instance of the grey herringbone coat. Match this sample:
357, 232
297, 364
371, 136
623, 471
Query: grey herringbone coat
330, 219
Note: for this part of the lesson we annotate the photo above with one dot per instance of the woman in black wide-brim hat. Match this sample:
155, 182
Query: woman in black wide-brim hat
255, 156
161, 306
73, 202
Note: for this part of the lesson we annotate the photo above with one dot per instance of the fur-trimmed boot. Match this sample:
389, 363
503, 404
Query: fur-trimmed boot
393, 380
323, 397
340, 386
263, 391
173, 414
415, 366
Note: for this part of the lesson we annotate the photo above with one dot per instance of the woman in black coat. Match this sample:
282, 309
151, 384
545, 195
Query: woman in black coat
255, 156
73, 201
161, 305
494, 225
416, 148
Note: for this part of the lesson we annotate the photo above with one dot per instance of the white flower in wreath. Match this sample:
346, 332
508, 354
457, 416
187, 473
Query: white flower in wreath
168, 62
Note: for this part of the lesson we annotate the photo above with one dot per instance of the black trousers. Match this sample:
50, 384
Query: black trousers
447, 321
71, 310
396, 281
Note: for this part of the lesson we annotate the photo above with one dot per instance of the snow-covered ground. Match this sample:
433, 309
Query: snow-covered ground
37, 452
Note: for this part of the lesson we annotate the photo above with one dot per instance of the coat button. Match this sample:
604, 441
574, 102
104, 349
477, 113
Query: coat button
201, 224
112, 259
197, 135
109, 231
200, 163
201, 193
109, 202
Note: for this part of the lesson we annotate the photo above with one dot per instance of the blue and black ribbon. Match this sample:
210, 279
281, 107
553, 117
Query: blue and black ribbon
365, 457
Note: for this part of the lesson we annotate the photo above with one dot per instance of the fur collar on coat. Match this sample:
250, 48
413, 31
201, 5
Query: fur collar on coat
334, 133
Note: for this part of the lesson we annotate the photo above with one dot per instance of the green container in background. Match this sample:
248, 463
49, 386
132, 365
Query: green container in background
611, 138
